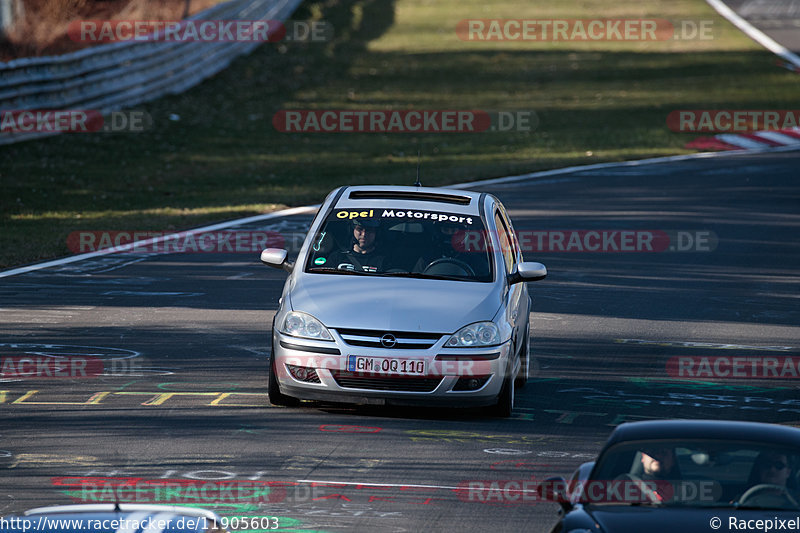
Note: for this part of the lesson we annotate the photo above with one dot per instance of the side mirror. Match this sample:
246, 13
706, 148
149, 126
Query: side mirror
528, 272
276, 258
554, 489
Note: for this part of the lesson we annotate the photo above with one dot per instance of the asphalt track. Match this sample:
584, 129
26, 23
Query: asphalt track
779, 19
184, 339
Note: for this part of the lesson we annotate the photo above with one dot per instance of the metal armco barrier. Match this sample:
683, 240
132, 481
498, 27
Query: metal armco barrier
108, 77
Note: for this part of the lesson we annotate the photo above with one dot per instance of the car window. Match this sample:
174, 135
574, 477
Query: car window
510, 229
506, 242
705, 472
402, 242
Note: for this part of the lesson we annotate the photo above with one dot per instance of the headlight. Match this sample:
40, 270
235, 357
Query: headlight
304, 325
474, 335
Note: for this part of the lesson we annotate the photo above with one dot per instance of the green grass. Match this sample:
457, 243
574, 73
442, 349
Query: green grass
595, 101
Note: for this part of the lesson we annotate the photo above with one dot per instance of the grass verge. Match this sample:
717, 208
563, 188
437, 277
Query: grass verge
595, 101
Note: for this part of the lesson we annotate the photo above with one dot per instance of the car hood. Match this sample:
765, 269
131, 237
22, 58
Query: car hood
394, 304
624, 519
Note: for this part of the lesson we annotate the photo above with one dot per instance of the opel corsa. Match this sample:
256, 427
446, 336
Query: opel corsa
404, 295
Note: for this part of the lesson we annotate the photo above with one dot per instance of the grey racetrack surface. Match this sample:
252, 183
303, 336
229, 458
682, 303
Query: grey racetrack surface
780, 19
188, 335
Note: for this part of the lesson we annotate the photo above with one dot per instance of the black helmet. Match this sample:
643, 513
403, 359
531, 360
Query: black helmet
366, 222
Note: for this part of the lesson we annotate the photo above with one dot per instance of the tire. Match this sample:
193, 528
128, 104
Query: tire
505, 401
276, 397
525, 361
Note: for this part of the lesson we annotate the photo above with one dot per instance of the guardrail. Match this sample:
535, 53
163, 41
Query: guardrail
109, 77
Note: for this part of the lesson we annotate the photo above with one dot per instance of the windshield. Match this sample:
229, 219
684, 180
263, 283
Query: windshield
706, 473
402, 242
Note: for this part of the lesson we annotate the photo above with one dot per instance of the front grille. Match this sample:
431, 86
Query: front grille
406, 340
354, 380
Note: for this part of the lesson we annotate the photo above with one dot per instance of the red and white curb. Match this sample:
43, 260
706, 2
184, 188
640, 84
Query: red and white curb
757, 140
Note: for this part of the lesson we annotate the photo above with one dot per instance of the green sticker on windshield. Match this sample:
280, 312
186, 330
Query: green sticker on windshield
320, 261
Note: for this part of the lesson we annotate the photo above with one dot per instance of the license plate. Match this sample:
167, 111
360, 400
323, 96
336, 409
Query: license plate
386, 365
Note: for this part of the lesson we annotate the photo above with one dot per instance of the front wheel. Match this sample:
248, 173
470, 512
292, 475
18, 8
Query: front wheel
524, 360
505, 402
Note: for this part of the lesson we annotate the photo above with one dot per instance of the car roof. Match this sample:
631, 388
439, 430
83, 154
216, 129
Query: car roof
705, 429
403, 197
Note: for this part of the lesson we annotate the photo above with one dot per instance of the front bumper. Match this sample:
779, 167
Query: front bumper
319, 370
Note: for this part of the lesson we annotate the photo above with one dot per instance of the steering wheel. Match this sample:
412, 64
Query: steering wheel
642, 485
754, 491
450, 261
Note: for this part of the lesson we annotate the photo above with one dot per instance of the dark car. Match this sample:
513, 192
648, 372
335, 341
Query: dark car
113, 518
684, 476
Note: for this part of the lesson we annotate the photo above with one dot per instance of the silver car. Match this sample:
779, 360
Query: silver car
404, 295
